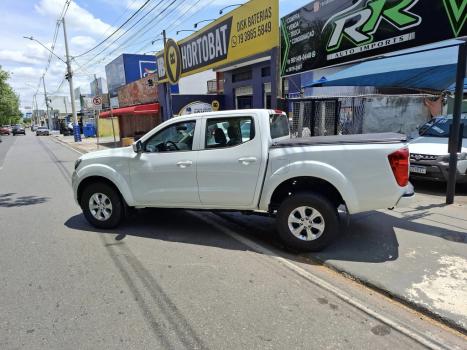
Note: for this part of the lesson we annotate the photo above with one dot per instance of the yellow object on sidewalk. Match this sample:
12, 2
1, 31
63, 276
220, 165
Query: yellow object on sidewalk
127, 141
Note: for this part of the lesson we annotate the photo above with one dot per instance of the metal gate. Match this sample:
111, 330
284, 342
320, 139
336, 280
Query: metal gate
329, 116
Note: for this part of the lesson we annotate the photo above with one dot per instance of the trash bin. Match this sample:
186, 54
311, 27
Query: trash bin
89, 130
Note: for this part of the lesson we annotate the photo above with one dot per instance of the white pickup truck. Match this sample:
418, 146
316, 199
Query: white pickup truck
245, 160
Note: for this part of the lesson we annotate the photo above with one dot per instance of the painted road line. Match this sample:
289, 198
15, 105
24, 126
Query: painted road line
422, 339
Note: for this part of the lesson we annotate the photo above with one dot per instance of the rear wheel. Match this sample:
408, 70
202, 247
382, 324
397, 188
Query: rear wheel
102, 205
307, 222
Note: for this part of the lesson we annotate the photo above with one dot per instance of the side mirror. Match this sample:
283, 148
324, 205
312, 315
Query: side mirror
137, 147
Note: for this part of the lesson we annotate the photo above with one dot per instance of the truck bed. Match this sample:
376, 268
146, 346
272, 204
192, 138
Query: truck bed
381, 138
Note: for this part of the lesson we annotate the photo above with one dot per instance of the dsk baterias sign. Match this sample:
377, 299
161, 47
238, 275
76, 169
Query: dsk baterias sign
330, 32
246, 31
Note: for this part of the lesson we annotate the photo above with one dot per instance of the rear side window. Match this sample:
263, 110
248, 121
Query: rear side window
279, 125
229, 132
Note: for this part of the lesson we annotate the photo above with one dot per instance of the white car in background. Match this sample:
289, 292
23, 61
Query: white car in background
429, 156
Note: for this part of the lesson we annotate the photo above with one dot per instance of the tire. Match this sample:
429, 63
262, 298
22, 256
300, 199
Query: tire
319, 227
106, 194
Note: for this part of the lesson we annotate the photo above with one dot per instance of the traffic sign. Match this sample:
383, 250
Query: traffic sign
97, 101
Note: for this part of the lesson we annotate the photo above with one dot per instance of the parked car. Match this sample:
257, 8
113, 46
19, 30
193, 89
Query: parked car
429, 156
19, 130
301, 182
5, 130
42, 131
34, 127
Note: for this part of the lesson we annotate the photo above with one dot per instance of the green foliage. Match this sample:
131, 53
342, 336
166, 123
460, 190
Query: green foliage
9, 101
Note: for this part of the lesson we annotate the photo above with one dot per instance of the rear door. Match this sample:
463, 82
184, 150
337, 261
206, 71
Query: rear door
229, 161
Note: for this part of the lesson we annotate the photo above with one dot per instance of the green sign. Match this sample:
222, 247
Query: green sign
330, 32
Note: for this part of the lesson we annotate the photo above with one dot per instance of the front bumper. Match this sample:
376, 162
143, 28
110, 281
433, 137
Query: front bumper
74, 185
436, 171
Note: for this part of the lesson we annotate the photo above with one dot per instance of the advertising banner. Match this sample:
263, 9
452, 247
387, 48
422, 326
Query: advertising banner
138, 92
246, 31
330, 32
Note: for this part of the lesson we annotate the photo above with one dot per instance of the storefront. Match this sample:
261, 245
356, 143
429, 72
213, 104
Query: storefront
242, 47
135, 121
252, 82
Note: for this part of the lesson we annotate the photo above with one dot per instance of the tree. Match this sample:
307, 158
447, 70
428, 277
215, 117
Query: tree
9, 101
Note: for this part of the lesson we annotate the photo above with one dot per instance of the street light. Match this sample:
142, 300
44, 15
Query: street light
204, 20
156, 40
45, 47
68, 76
222, 10
185, 30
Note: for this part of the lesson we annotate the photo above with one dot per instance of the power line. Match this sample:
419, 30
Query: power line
116, 30
175, 21
126, 31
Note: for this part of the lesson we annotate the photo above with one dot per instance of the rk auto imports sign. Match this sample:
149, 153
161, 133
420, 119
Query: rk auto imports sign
330, 32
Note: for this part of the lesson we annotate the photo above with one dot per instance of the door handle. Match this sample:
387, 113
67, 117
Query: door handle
247, 160
185, 164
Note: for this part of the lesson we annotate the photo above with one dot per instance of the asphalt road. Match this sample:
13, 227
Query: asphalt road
168, 279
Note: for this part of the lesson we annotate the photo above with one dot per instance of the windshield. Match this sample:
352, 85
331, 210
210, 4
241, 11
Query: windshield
439, 127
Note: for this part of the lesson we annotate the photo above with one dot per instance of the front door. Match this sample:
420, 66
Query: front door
229, 163
164, 173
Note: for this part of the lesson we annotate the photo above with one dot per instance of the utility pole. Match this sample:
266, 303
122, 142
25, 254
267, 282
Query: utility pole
69, 76
49, 118
455, 138
167, 87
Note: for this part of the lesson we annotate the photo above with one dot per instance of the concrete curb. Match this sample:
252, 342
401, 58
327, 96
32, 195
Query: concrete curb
372, 285
395, 296
74, 148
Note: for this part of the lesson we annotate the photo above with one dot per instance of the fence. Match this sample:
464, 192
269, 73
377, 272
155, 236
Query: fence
327, 116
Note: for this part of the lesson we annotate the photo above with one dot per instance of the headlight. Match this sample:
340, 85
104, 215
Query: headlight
77, 163
460, 156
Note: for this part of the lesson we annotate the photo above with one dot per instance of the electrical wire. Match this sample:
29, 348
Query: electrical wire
116, 30
134, 24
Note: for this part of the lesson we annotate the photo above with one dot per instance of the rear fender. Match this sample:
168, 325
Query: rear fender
314, 169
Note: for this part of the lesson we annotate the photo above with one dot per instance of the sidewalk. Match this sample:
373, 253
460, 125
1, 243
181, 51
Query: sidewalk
88, 144
417, 255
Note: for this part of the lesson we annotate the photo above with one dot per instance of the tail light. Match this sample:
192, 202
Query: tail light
399, 162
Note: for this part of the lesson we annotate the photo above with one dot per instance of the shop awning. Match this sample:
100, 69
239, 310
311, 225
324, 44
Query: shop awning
434, 69
452, 88
150, 108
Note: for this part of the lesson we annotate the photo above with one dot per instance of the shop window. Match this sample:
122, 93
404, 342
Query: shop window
266, 71
242, 76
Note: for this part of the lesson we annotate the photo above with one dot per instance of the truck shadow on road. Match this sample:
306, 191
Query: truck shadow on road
9, 200
370, 237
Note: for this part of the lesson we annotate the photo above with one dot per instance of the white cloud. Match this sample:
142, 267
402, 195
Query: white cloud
83, 42
16, 56
77, 18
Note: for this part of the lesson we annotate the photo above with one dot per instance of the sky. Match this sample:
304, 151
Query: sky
88, 22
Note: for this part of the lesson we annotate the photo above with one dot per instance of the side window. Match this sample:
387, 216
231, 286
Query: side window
279, 125
229, 132
176, 137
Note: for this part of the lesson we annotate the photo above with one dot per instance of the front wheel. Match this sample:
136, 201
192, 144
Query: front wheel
102, 205
307, 222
